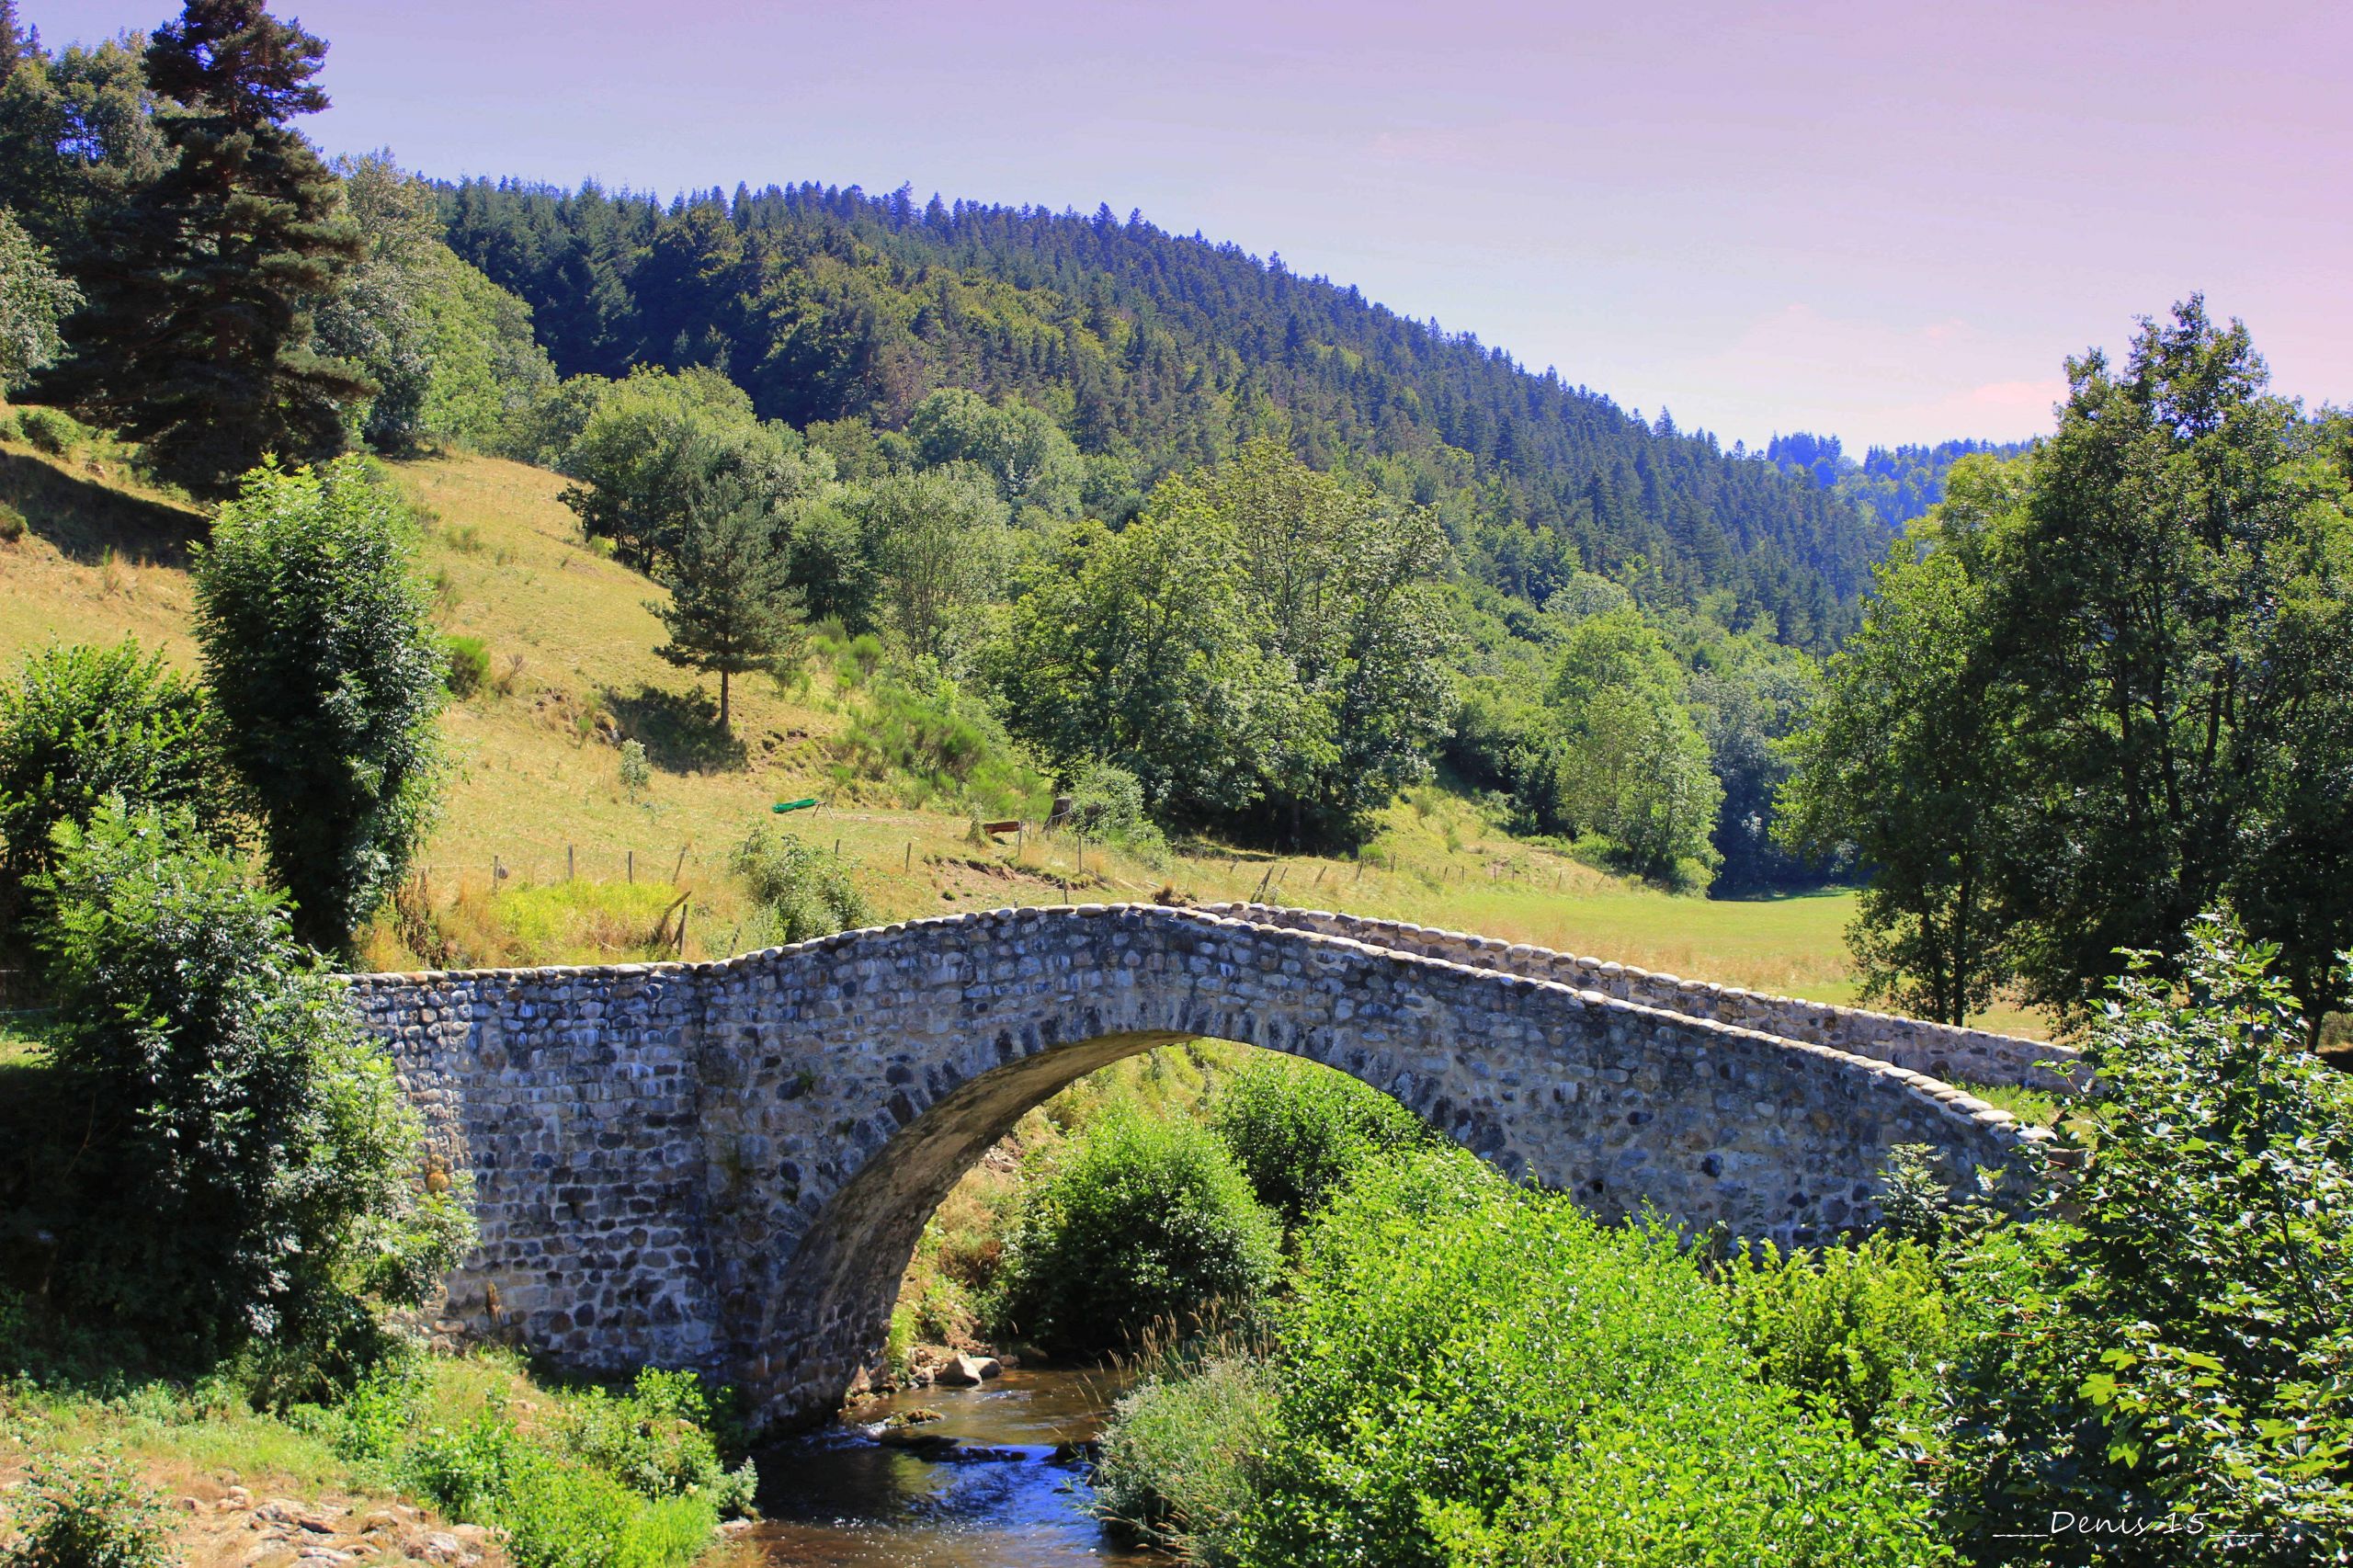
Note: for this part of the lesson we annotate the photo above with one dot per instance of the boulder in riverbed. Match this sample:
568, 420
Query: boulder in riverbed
963, 1371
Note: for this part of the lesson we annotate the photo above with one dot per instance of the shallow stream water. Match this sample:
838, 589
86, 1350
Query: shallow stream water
1002, 1497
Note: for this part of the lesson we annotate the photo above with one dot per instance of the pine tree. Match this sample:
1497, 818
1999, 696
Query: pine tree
18, 42
197, 338
731, 606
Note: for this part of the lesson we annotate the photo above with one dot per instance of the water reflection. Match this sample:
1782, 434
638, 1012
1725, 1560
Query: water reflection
1003, 1497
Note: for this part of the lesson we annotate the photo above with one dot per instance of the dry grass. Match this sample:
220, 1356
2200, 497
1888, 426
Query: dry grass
101, 555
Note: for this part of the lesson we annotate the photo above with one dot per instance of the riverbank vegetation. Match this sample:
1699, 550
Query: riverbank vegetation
1457, 1370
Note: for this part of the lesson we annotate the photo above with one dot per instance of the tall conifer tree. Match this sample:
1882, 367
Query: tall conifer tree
197, 338
731, 607
16, 41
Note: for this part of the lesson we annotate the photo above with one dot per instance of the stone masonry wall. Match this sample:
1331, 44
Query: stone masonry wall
727, 1166
1940, 1050
569, 1096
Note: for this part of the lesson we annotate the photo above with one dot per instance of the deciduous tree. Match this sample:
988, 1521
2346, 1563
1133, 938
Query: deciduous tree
33, 301
450, 353
2111, 690
249, 1169
1023, 451
83, 725
1633, 766
937, 542
1906, 762
2170, 603
647, 443
1134, 648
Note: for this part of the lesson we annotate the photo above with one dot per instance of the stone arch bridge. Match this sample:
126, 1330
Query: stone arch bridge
727, 1165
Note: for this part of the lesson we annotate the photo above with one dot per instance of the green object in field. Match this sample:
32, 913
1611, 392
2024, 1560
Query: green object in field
783, 806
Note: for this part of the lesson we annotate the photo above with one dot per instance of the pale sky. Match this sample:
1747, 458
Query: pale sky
1883, 221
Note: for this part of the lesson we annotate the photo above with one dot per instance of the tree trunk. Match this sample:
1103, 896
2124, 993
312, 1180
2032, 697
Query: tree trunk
724, 728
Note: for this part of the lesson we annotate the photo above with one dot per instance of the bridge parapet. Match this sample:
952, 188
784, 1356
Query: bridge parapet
1939, 1051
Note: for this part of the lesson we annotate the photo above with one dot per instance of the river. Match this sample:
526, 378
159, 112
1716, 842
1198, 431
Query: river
837, 1497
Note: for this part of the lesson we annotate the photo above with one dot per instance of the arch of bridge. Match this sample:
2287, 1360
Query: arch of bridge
728, 1164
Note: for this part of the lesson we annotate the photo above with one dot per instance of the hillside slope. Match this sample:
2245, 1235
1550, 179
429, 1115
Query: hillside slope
1158, 353
536, 786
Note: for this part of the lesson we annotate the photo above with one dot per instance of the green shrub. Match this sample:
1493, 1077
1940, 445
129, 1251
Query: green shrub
2168, 1350
87, 1513
12, 523
325, 669
658, 1440
636, 772
801, 892
1730, 1473
469, 665
50, 430
1107, 801
917, 730
557, 1512
1862, 1328
1176, 1467
79, 725
855, 660
614, 1480
1142, 1220
1299, 1131
371, 1425
248, 1167
1464, 1362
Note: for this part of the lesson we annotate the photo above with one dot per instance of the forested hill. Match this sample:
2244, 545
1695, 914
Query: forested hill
1158, 353
1892, 485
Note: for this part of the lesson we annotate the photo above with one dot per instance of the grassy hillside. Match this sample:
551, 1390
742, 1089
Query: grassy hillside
537, 792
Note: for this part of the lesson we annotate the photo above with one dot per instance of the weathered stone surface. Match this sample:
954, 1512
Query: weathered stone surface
962, 1371
1940, 1050
726, 1165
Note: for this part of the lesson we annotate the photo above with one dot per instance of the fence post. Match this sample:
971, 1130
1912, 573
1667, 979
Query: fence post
632, 866
681, 868
567, 863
